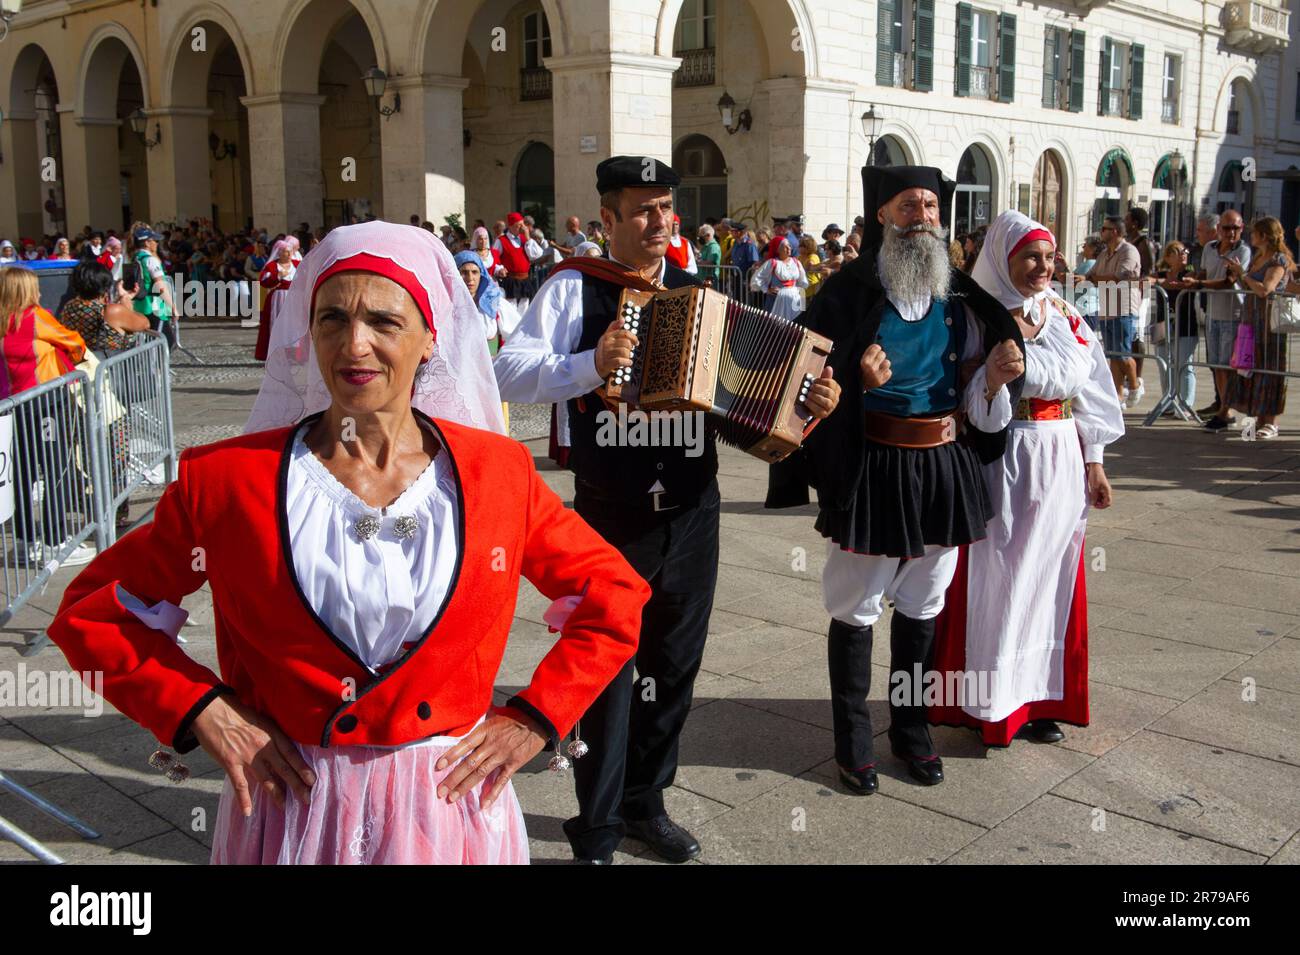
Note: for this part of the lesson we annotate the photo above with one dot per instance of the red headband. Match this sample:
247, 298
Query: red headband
365, 262
1033, 235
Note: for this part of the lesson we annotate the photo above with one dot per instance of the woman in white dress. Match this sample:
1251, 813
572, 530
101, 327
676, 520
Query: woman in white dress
782, 278
1015, 618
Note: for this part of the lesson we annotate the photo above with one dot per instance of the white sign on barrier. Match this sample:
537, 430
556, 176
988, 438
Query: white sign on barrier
6, 467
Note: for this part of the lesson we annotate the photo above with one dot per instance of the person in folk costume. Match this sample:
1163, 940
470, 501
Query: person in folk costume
1017, 608
931, 368
276, 276
500, 318
783, 280
361, 595
516, 252
658, 505
680, 252
480, 243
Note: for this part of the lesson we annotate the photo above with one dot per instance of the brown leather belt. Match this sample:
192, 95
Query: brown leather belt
912, 432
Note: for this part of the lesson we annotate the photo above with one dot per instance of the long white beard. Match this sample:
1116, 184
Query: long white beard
916, 266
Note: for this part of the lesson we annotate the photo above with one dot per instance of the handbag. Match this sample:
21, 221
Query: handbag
1284, 315
114, 410
1243, 349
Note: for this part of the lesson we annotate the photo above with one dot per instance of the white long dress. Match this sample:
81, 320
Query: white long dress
1021, 577
772, 275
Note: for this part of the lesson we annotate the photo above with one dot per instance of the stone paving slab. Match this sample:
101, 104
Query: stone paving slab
1220, 717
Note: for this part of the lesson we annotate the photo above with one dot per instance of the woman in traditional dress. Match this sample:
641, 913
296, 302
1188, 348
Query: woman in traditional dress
1015, 620
500, 318
782, 279
680, 252
277, 276
363, 542
1262, 396
481, 245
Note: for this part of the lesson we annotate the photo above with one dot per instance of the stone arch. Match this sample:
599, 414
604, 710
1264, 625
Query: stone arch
1220, 117
778, 43
307, 37
181, 74
441, 51
100, 69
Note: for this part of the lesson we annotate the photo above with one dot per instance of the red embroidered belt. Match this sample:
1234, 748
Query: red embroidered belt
784, 283
1044, 409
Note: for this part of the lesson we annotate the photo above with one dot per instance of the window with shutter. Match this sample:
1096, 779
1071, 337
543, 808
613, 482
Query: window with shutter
886, 14
1077, 65
1051, 66
1006, 57
1103, 78
1136, 58
965, 16
923, 31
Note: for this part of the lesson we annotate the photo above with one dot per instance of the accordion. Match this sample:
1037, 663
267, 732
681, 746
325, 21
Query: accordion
701, 351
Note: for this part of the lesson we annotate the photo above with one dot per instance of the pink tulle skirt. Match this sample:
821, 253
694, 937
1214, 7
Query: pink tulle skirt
373, 805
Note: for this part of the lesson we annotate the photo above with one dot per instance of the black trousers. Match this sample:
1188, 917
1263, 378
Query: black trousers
633, 727
911, 642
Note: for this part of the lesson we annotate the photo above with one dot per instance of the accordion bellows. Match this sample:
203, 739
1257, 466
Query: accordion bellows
701, 351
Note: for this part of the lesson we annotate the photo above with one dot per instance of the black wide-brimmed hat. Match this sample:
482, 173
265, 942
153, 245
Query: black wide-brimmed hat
882, 183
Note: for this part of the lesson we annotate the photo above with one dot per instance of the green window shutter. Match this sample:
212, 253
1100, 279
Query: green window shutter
885, 41
1049, 66
923, 31
1076, 71
1135, 82
964, 26
1006, 57
1103, 81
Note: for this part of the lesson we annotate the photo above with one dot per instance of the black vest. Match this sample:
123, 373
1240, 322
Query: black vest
618, 471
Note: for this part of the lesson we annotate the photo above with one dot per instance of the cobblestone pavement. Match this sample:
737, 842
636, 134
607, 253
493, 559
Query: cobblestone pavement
1192, 756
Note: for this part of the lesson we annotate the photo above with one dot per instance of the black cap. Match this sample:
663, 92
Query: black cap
882, 183
619, 172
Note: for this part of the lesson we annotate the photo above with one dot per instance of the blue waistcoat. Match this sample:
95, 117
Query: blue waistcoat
924, 357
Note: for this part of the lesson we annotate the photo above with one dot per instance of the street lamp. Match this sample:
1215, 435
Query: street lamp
376, 81
727, 110
8, 10
139, 122
871, 124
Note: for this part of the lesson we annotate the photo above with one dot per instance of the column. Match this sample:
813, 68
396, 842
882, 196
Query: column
621, 104
284, 152
21, 194
180, 188
814, 155
423, 149
91, 172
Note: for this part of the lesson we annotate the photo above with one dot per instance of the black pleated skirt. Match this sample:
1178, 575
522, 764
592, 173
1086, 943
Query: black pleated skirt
910, 498
518, 288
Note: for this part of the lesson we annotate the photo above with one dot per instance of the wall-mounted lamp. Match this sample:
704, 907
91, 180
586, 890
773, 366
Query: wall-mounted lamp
8, 10
871, 124
727, 109
376, 81
221, 149
139, 122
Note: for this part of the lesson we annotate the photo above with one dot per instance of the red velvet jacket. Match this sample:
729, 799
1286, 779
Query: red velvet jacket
223, 521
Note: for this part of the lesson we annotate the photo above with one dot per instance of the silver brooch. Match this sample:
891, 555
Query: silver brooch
405, 527
367, 526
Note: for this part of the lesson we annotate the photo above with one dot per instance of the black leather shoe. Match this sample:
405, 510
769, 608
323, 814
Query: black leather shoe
669, 841
603, 860
1043, 731
860, 782
926, 770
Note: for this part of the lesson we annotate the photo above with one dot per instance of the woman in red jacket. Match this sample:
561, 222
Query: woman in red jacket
276, 276
363, 542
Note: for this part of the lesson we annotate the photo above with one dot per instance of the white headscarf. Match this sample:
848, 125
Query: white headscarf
991, 268
457, 384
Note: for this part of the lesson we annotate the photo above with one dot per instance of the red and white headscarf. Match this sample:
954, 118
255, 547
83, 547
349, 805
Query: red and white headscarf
1006, 235
457, 384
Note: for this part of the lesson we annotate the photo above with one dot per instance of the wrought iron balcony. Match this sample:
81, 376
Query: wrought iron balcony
982, 82
697, 67
1169, 110
1056, 94
1261, 27
534, 83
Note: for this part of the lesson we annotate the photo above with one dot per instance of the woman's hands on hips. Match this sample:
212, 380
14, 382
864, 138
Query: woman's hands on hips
502, 744
253, 751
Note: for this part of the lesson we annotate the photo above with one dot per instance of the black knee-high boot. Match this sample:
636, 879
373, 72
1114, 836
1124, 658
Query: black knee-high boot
910, 643
848, 651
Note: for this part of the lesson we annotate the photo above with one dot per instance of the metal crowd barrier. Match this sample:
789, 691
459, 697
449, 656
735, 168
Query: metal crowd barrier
1272, 352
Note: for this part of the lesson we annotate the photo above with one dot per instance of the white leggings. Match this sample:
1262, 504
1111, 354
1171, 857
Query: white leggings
855, 586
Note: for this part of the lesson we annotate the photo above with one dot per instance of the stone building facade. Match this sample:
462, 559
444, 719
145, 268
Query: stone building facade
255, 111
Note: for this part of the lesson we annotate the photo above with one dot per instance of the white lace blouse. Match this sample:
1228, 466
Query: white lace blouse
377, 593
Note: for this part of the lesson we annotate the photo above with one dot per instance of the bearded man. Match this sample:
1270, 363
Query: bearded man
930, 366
